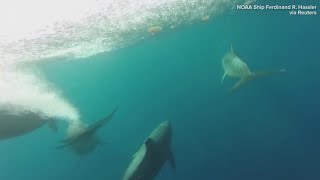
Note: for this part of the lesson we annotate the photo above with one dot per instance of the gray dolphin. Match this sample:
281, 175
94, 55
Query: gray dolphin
85, 141
14, 124
151, 156
234, 66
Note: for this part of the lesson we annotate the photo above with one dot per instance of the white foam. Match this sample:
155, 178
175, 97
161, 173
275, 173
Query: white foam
39, 30
82, 28
24, 91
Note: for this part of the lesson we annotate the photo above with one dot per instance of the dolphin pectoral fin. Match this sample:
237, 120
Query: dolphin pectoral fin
135, 154
53, 125
104, 142
240, 83
172, 160
63, 146
224, 75
101, 122
92, 128
89, 131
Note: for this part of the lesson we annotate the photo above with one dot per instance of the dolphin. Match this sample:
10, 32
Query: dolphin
14, 124
234, 66
84, 140
154, 152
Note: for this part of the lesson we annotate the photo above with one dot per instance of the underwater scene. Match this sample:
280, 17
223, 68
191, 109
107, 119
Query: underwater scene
159, 90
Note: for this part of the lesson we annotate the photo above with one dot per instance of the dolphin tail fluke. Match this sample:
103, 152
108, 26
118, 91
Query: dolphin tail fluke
53, 125
255, 75
267, 73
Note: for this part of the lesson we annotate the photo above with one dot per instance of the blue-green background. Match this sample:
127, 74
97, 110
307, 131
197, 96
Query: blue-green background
267, 130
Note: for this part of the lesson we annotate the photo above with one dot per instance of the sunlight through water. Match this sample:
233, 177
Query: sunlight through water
44, 30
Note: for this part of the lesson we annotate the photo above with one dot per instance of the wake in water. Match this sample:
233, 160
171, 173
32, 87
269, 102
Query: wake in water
25, 95
28, 91
79, 29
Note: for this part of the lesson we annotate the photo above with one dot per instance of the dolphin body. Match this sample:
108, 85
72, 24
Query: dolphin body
152, 155
13, 124
85, 140
235, 67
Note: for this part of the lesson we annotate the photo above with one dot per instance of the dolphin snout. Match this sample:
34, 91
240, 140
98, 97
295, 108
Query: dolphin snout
166, 123
165, 126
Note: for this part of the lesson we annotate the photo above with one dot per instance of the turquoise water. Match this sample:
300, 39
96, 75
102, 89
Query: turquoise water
267, 130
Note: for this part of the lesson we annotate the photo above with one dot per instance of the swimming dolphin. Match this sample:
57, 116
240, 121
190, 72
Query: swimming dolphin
85, 140
13, 124
233, 66
151, 156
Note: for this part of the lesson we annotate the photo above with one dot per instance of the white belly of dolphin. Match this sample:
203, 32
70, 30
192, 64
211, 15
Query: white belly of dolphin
152, 155
234, 67
135, 164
